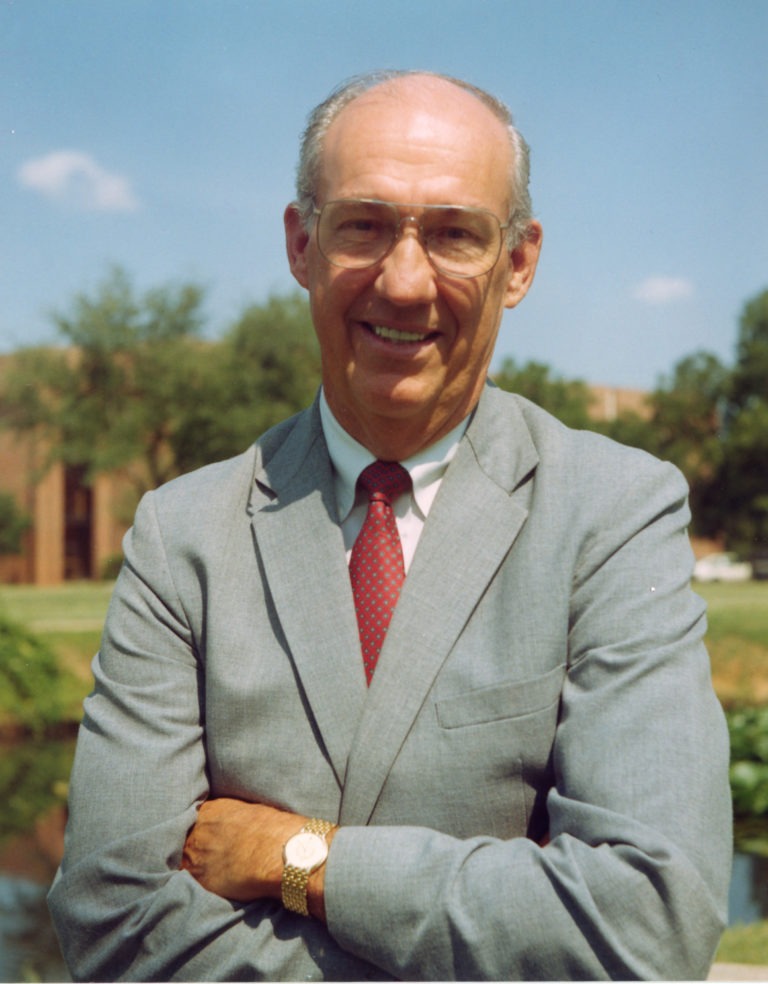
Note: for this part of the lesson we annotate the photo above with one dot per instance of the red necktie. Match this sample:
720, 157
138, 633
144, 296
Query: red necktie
376, 566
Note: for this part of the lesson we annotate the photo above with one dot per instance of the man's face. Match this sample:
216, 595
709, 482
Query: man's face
405, 350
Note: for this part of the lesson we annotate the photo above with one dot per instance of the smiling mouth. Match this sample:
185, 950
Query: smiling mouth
397, 334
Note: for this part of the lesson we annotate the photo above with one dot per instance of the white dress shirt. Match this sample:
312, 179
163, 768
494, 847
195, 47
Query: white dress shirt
426, 469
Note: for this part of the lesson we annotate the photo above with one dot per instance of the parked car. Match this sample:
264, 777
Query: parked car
722, 567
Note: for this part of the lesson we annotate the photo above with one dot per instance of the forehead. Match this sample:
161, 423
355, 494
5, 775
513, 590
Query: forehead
417, 140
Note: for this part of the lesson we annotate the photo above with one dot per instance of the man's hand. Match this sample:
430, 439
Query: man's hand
235, 850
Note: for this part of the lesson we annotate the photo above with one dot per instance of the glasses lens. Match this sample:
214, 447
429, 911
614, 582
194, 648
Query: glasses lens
461, 241
356, 234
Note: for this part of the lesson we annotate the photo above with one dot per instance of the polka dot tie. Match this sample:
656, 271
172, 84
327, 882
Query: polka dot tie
376, 566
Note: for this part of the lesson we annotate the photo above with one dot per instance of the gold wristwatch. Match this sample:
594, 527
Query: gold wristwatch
303, 853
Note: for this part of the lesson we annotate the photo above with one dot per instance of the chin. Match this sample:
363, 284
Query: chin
403, 399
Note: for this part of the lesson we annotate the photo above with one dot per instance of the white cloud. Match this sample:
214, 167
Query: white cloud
74, 178
663, 290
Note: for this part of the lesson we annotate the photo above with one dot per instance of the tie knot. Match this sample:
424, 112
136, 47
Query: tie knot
384, 478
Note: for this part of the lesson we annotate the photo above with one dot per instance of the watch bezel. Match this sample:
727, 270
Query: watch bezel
305, 850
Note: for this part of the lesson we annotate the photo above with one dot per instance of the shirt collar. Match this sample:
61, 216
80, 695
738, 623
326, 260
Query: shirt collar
349, 458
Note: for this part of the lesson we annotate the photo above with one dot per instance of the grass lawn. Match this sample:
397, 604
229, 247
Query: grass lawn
737, 640
745, 944
68, 618
70, 607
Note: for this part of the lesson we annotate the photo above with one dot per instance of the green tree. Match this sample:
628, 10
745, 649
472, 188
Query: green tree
687, 417
631, 428
744, 474
750, 375
568, 400
112, 399
266, 368
136, 390
13, 523
687, 410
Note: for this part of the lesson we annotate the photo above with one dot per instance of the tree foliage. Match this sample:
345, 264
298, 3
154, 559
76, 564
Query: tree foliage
266, 368
568, 400
13, 524
30, 679
137, 391
744, 473
112, 398
686, 428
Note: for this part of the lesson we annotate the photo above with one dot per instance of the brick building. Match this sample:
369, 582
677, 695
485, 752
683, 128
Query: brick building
610, 402
74, 530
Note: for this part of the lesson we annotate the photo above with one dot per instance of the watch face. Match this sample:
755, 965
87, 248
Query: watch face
305, 850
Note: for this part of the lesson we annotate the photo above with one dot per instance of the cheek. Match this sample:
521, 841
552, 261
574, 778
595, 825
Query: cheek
477, 309
333, 291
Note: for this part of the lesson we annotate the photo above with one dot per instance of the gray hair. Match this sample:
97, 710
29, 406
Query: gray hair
321, 118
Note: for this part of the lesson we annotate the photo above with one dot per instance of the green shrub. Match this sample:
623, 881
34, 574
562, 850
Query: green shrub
13, 524
30, 680
749, 776
33, 779
110, 567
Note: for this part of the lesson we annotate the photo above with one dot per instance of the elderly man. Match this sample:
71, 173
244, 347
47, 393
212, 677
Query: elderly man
415, 687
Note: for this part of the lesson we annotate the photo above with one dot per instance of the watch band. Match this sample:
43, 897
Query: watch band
293, 885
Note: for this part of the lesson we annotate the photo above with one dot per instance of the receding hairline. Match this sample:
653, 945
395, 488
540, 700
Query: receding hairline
396, 83
407, 84
420, 93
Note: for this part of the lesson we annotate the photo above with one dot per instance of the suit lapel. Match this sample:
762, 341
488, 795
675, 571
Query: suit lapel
471, 526
300, 545
475, 518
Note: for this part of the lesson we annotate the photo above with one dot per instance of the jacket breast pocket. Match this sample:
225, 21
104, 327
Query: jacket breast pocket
497, 742
510, 700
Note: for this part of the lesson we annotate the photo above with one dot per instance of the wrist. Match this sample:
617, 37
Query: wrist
304, 857
316, 884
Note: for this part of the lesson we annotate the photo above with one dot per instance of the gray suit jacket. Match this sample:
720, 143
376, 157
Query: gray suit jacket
543, 675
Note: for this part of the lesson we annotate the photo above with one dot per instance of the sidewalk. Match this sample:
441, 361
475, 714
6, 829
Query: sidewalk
737, 972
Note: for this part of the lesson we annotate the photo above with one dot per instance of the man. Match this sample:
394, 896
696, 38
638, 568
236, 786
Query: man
529, 779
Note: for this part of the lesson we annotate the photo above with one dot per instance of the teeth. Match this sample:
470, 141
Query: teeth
394, 335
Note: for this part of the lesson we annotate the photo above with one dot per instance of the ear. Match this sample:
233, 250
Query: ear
296, 243
522, 265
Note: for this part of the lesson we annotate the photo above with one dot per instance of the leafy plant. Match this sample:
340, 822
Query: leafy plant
33, 780
30, 678
13, 523
749, 775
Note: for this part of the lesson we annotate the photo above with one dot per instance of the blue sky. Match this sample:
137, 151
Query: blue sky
161, 135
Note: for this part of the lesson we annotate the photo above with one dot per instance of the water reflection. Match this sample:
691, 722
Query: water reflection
29, 950
748, 896
32, 788
33, 779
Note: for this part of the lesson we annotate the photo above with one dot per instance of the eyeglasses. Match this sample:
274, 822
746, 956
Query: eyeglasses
356, 233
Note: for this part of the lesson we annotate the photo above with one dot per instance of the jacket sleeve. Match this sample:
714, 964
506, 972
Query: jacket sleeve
120, 904
633, 881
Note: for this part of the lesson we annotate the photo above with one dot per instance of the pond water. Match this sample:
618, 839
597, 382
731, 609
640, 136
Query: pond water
29, 950
32, 784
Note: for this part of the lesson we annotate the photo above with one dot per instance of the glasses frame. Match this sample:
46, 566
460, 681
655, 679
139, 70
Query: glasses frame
415, 221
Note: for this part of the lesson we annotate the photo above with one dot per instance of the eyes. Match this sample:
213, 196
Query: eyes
361, 229
434, 230
460, 241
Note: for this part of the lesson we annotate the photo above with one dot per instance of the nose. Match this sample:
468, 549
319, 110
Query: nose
406, 276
